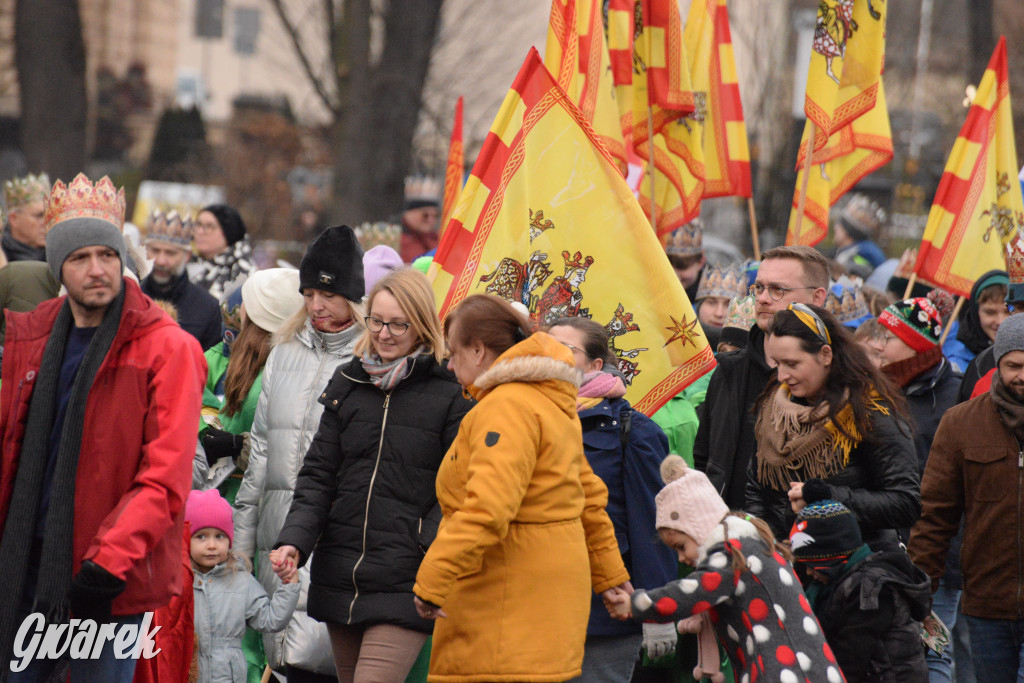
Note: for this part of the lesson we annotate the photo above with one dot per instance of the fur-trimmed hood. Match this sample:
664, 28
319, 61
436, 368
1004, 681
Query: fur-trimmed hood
538, 359
737, 528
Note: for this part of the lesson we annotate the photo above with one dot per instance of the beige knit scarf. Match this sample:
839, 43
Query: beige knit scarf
797, 442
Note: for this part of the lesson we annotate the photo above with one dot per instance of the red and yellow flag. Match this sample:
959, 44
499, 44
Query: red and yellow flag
850, 154
846, 64
454, 168
621, 19
718, 109
661, 73
546, 219
978, 208
577, 54
678, 177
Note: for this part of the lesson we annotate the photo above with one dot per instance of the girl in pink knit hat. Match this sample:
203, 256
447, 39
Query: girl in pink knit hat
226, 599
742, 590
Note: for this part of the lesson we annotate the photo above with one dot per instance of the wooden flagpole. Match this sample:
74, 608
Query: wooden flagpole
910, 286
650, 166
952, 316
812, 131
753, 229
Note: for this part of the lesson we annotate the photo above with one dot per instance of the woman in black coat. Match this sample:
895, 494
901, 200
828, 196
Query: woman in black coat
365, 494
831, 426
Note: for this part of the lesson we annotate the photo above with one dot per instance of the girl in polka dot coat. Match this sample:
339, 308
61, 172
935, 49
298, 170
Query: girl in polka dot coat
743, 588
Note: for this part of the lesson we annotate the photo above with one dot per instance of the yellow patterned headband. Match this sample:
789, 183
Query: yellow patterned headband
813, 322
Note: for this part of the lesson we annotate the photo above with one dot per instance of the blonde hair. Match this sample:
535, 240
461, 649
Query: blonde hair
290, 327
415, 297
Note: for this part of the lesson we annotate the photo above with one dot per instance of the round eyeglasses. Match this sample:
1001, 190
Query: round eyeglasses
395, 328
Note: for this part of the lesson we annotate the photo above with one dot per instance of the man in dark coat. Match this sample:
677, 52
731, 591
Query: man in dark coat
168, 245
725, 437
24, 237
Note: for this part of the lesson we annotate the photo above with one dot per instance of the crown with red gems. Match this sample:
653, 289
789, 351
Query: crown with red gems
576, 261
82, 199
1015, 268
724, 281
22, 191
170, 227
687, 240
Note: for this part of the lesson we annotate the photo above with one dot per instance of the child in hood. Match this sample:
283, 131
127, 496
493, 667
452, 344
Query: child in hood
870, 605
743, 589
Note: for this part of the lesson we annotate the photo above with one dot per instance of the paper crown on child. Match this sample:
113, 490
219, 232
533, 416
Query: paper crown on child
825, 534
724, 281
21, 191
689, 502
687, 240
207, 509
170, 227
1015, 269
847, 303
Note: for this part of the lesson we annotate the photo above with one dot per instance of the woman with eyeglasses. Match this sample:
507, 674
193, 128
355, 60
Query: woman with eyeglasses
831, 426
365, 498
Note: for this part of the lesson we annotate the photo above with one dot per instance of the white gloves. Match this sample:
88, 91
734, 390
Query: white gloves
659, 639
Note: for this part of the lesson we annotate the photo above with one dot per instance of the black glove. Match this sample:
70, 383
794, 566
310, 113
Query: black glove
92, 591
220, 444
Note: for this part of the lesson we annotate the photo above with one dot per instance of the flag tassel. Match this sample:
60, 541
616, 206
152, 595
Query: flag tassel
952, 316
812, 132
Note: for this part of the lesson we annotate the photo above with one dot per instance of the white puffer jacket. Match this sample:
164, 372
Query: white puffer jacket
287, 417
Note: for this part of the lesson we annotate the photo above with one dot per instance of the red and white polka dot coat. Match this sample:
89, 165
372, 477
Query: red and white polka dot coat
761, 617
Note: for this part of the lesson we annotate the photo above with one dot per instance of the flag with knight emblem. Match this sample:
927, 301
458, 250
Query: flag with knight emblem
978, 208
576, 53
546, 219
453, 170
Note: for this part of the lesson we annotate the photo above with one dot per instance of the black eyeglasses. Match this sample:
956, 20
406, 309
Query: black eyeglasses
776, 292
395, 328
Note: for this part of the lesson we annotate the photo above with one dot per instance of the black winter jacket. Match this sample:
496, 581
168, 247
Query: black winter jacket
365, 495
881, 485
725, 436
198, 312
871, 618
980, 365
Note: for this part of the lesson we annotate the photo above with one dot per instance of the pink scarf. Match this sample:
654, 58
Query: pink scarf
599, 385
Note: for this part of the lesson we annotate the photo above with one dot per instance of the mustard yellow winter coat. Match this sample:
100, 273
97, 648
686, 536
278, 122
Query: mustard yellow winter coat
525, 536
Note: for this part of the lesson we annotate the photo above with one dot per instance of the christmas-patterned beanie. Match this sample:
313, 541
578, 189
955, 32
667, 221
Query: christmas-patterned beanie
915, 321
824, 535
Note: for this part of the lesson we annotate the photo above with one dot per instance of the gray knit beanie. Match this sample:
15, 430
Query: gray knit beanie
1009, 337
75, 233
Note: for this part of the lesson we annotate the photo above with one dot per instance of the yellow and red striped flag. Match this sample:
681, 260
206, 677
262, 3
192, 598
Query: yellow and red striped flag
678, 177
708, 43
454, 168
621, 19
577, 54
846, 64
978, 208
546, 219
850, 154
661, 73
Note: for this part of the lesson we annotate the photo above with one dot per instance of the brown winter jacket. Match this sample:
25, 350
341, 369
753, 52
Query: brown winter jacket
975, 469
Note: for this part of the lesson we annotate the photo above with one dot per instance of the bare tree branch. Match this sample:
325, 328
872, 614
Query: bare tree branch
314, 79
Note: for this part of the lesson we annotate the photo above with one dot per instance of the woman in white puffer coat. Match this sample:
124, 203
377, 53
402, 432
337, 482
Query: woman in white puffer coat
308, 348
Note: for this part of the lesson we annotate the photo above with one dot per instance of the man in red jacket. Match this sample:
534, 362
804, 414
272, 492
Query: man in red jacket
99, 401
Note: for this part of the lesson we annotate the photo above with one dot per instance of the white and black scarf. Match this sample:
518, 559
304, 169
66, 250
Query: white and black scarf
214, 275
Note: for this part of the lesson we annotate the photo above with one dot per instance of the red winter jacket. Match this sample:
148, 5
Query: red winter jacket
135, 463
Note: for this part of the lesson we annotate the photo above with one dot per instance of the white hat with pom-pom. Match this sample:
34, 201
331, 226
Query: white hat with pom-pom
689, 502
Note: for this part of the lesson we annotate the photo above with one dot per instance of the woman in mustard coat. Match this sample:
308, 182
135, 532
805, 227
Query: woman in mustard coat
525, 537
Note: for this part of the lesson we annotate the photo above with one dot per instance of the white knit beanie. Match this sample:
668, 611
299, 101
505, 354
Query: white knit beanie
271, 296
689, 502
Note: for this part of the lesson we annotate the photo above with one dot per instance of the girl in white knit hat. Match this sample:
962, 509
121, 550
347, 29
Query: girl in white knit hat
742, 590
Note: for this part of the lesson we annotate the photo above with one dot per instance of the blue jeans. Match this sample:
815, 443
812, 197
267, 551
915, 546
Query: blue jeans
996, 648
107, 667
609, 659
946, 605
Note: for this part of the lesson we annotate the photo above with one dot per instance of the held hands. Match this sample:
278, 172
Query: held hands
796, 496
285, 563
428, 610
617, 601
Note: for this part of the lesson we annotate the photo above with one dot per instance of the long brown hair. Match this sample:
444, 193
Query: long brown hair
851, 371
248, 356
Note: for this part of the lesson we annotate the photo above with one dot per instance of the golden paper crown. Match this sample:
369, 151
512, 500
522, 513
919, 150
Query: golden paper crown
170, 227
687, 240
741, 313
21, 191
82, 199
864, 214
423, 187
371, 235
847, 303
724, 281
1015, 261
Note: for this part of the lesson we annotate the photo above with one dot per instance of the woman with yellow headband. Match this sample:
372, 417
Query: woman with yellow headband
831, 426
